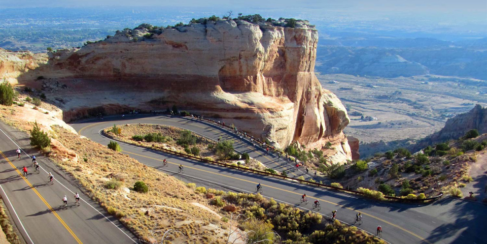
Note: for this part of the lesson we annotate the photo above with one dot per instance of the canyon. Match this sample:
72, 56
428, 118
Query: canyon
258, 76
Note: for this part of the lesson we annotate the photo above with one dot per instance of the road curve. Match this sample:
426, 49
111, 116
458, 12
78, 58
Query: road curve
445, 221
38, 205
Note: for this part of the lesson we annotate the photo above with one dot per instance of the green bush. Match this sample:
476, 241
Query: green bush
224, 149
405, 184
446, 163
456, 192
186, 138
245, 156
394, 172
195, 151
403, 152
389, 155
272, 171
442, 147
421, 196
187, 150
442, 177
469, 145
218, 201
140, 186
113, 184
175, 109
114, 146
411, 196
406, 191
422, 159
137, 138
39, 138
7, 93
336, 184
360, 166
291, 23
371, 193
386, 189
28, 99
471, 134
116, 130
373, 172
155, 137
201, 189
36, 101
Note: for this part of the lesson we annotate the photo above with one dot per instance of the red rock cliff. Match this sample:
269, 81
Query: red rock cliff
259, 77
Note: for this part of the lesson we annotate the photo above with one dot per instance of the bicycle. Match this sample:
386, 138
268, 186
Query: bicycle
317, 205
51, 180
304, 200
181, 169
259, 189
358, 221
77, 201
164, 163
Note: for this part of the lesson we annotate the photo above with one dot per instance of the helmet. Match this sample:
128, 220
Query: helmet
33, 157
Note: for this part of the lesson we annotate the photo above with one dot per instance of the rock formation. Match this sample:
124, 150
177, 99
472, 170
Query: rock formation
13, 64
457, 126
259, 77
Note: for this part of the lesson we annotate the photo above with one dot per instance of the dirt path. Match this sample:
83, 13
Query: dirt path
478, 171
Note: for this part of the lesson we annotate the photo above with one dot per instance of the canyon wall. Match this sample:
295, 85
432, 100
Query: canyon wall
14, 64
259, 77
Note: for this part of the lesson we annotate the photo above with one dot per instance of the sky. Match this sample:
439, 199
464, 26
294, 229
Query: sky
452, 6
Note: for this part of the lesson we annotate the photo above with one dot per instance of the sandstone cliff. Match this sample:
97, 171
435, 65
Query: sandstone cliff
259, 77
13, 64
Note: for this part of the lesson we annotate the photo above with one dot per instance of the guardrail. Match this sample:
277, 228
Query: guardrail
259, 172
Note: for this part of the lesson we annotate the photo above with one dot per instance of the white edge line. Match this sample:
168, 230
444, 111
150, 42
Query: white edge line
73, 192
15, 212
290, 204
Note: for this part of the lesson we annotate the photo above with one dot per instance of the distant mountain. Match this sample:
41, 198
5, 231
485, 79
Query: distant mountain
394, 62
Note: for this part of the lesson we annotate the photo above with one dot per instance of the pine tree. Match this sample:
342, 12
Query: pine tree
39, 138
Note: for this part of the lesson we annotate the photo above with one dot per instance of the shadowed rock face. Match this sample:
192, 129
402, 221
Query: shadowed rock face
258, 77
457, 126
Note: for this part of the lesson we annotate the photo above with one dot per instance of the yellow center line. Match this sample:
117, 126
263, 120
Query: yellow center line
42, 199
295, 193
89, 126
280, 189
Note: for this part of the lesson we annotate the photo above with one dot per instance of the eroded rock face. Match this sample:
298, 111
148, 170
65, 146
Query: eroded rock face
13, 64
258, 77
457, 126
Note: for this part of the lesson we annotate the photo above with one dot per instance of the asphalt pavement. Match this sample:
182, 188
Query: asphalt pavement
445, 221
36, 205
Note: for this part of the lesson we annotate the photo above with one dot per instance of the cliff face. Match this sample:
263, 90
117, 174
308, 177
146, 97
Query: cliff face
258, 77
457, 126
13, 64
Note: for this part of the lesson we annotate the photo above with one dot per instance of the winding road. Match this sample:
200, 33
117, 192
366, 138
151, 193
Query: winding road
445, 221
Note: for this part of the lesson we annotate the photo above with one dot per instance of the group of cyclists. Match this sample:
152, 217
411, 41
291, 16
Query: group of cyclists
35, 164
164, 164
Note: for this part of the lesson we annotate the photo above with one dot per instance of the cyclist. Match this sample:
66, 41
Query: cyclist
51, 178
303, 198
65, 201
180, 167
18, 153
36, 165
258, 187
76, 197
317, 204
379, 229
334, 213
358, 217
164, 162
34, 158
25, 171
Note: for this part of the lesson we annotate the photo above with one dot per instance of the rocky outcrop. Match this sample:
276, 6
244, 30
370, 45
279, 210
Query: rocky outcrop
259, 77
13, 64
457, 126
354, 147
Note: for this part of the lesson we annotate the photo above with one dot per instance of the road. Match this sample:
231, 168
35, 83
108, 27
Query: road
445, 221
42, 217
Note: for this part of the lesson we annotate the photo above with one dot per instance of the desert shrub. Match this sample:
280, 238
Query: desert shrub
403, 152
137, 138
389, 155
446, 162
469, 145
386, 189
479, 147
284, 173
467, 178
336, 171
191, 185
7, 93
28, 99
186, 138
442, 178
185, 113
406, 191
201, 189
371, 193
175, 109
422, 159
116, 130
258, 231
224, 149
36, 101
299, 154
394, 171
301, 178
272, 171
245, 156
114, 146
140, 186
39, 138
471, 134
360, 165
411, 196
442, 147
421, 196
187, 150
218, 201
456, 192
113, 184
155, 137
43, 96
195, 151
426, 173
405, 184
336, 184
373, 172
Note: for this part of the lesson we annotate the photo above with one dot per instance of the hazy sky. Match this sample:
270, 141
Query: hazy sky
464, 6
